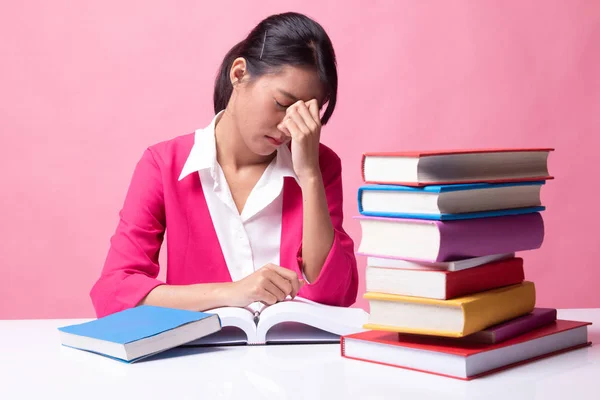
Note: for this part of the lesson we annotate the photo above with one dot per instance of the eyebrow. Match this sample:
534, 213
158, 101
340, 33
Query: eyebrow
288, 94
294, 98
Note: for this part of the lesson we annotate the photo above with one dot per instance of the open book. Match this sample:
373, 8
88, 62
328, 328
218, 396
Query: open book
290, 321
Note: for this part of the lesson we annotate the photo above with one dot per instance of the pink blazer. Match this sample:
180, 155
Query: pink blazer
157, 201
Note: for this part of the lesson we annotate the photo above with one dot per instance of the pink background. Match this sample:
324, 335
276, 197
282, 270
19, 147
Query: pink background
88, 86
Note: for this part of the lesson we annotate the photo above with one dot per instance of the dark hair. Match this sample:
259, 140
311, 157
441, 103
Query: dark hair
279, 40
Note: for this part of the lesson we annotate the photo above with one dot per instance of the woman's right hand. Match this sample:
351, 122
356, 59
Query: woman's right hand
268, 285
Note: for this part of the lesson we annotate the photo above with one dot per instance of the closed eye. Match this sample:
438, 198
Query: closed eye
281, 106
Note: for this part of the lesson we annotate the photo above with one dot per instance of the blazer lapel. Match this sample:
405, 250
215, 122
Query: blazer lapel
204, 249
291, 224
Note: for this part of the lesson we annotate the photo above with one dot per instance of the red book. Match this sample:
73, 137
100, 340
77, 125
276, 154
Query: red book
456, 166
442, 284
460, 359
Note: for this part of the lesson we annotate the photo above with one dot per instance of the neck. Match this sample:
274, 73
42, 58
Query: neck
232, 151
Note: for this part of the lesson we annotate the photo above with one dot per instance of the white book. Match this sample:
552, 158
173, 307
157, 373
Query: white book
383, 262
291, 321
456, 166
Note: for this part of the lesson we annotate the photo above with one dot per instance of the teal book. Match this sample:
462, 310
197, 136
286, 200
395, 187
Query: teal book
139, 332
450, 202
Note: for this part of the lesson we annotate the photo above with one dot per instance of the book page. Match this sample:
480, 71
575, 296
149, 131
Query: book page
237, 327
295, 332
330, 319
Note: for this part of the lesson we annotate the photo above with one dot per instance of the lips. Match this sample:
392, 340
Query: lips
276, 142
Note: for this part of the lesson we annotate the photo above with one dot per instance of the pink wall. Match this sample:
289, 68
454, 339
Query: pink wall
78, 78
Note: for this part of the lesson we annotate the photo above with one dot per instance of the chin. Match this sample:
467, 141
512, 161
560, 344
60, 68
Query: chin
262, 149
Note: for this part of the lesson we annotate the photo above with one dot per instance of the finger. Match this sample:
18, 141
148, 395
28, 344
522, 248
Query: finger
267, 298
301, 123
314, 110
274, 289
301, 283
307, 118
289, 276
292, 128
283, 128
294, 106
282, 283
295, 290
297, 284
286, 273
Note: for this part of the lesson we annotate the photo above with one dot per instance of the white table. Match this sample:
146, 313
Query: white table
34, 365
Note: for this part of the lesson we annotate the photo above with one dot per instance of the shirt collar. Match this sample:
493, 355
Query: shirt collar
283, 163
204, 155
204, 152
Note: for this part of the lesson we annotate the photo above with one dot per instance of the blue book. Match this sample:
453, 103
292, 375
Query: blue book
139, 332
450, 202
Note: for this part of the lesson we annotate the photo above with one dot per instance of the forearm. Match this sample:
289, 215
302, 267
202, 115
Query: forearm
197, 297
317, 231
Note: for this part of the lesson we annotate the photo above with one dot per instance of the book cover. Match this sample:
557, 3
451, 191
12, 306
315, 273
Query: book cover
437, 345
444, 188
457, 265
113, 334
514, 327
455, 217
424, 154
470, 238
442, 284
418, 154
479, 310
507, 208
485, 277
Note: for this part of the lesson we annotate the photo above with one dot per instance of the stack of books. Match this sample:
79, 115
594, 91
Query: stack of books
447, 292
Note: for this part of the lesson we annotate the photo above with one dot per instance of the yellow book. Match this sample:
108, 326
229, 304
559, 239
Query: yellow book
457, 317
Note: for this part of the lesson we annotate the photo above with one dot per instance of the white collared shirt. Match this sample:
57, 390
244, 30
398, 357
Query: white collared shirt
251, 239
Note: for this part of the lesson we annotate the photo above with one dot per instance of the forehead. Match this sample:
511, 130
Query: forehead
301, 82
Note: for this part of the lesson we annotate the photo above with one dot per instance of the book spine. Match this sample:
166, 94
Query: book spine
500, 306
414, 331
362, 167
406, 368
484, 236
530, 360
527, 324
485, 277
359, 200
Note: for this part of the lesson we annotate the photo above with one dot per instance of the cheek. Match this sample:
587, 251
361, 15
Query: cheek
261, 116
266, 117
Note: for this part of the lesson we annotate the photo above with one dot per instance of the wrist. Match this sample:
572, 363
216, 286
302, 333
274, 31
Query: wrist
312, 177
222, 294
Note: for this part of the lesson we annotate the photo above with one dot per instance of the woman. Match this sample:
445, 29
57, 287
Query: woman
252, 203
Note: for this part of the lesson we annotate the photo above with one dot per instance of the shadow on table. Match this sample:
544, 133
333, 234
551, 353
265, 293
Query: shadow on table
179, 352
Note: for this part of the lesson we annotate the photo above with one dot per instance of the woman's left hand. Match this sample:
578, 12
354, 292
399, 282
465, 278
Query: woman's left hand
302, 123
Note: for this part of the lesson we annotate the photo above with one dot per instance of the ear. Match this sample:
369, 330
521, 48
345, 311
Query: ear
238, 71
